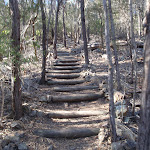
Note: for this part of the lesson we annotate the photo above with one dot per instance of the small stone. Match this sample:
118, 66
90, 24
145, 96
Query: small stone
117, 146
129, 145
40, 114
22, 146
33, 113
20, 135
17, 125
51, 147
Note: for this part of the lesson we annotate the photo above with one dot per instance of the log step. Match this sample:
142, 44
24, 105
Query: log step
66, 67
65, 82
66, 64
64, 71
68, 60
69, 133
74, 88
73, 114
64, 76
73, 97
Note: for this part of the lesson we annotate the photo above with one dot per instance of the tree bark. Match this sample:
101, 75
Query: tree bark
144, 126
16, 81
84, 33
110, 74
42, 81
55, 33
114, 46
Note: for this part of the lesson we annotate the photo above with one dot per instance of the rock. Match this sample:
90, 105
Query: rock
39, 113
10, 146
22, 146
129, 145
124, 145
33, 113
20, 135
51, 147
121, 109
117, 146
17, 125
118, 96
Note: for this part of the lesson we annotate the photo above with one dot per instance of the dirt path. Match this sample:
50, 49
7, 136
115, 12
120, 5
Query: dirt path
71, 107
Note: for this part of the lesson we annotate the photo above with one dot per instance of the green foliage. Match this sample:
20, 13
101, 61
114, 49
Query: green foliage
5, 43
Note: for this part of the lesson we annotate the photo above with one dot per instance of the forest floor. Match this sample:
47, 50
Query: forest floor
33, 93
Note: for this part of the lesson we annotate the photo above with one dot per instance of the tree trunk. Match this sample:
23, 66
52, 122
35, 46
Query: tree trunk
42, 81
110, 74
49, 19
64, 26
55, 33
84, 33
114, 46
16, 82
134, 55
144, 126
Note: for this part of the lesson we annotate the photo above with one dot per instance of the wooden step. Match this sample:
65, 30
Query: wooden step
65, 82
69, 133
73, 114
64, 71
66, 64
73, 97
64, 76
66, 67
68, 60
74, 88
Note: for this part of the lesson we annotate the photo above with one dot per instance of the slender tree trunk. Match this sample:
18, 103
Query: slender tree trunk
16, 82
56, 24
42, 81
33, 35
114, 47
84, 33
49, 19
110, 74
144, 126
133, 48
64, 26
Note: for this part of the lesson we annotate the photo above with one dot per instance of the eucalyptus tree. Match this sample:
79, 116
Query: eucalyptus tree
42, 81
16, 81
144, 126
56, 24
114, 46
84, 33
110, 74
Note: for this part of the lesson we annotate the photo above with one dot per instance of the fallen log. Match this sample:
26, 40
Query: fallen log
66, 67
72, 98
69, 133
75, 88
66, 64
62, 76
65, 82
73, 114
64, 71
